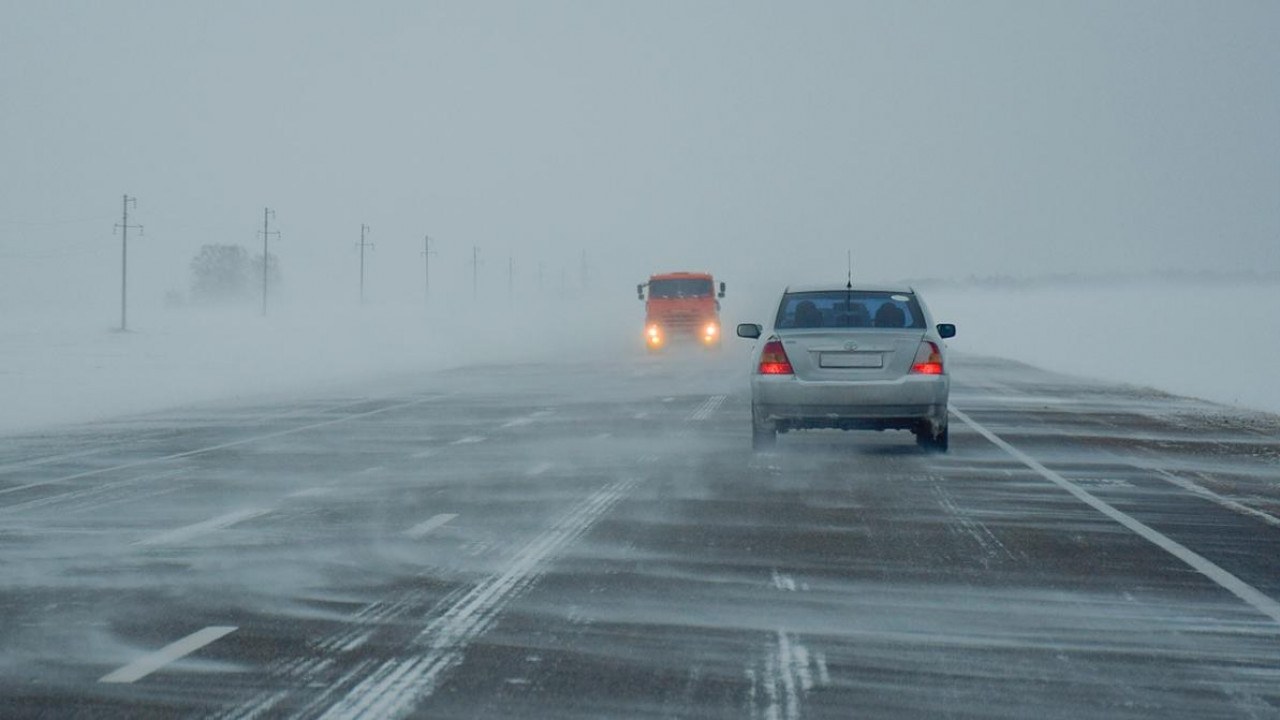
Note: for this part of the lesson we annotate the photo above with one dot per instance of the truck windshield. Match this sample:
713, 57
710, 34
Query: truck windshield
678, 288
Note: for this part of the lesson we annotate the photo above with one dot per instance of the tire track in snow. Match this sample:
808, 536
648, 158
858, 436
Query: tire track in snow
397, 685
708, 406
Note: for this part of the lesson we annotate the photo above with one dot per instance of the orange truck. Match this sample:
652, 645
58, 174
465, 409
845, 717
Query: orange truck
681, 306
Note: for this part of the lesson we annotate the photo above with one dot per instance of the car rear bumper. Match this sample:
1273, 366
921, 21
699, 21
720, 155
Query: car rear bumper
786, 402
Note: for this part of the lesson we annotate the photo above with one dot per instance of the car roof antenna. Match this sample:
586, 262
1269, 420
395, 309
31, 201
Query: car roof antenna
848, 285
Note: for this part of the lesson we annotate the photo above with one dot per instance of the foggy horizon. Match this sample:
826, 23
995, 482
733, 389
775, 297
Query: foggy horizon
752, 141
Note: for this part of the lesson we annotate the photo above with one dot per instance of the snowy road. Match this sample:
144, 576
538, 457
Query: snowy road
552, 541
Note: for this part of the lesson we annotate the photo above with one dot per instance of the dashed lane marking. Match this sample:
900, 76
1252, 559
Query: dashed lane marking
468, 440
1201, 564
430, 524
148, 664
311, 492
188, 532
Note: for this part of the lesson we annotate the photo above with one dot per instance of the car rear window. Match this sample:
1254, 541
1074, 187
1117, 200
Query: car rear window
849, 309
680, 287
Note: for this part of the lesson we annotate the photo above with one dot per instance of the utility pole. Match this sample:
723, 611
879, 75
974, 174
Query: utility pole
124, 261
475, 272
364, 229
266, 213
427, 252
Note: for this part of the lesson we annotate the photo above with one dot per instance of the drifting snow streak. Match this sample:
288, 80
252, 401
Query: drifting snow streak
397, 685
710, 405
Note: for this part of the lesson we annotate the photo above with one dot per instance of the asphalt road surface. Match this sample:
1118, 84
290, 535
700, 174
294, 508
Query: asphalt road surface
597, 540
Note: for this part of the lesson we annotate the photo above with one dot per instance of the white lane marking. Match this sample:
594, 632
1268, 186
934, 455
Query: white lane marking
311, 492
372, 470
783, 582
787, 677
640, 415
1198, 562
429, 524
527, 419
602, 436
212, 448
1212, 496
469, 440
539, 469
148, 664
708, 406
190, 531
423, 454
398, 684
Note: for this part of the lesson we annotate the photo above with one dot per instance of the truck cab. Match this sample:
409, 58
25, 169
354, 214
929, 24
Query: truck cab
681, 307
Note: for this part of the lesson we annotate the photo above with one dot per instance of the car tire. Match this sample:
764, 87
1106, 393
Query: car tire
930, 440
763, 439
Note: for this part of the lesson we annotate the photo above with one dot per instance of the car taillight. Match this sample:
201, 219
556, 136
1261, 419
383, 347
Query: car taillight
710, 330
774, 360
928, 360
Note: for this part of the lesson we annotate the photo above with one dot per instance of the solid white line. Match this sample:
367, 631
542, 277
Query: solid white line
1198, 562
148, 664
190, 531
430, 524
468, 440
211, 448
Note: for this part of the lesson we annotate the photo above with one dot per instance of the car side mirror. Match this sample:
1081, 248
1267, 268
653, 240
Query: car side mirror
749, 330
640, 291
721, 290
946, 330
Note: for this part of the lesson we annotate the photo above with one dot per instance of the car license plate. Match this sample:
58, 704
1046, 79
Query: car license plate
851, 360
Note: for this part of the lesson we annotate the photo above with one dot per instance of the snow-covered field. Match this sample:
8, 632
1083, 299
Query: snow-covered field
1212, 342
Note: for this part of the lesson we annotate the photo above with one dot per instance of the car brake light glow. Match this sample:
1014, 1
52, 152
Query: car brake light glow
774, 360
928, 360
711, 330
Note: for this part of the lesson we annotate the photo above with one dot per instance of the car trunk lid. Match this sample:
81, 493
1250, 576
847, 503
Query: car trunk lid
851, 355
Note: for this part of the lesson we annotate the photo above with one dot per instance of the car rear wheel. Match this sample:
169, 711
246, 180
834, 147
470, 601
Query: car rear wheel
932, 441
763, 439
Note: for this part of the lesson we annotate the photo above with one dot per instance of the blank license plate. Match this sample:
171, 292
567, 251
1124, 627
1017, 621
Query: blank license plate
851, 360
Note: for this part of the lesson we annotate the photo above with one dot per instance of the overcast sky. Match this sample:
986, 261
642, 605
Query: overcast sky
755, 140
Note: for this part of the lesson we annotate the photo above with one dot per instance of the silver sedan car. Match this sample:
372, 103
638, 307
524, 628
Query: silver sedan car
850, 358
